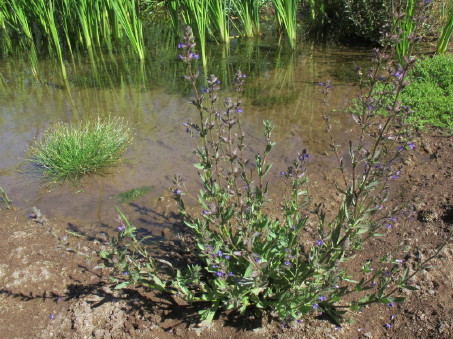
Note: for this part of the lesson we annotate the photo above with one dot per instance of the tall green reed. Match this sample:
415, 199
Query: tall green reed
445, 34
405, 28
69, 24
248, 13
218, 14
195, 14
286, 13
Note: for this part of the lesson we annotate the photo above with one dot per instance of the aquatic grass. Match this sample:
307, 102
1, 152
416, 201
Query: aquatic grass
445, 34
218, 16
405, 30
67, 25
5, 199
286, 13
248, 13
68, 152
132, 194
195, 13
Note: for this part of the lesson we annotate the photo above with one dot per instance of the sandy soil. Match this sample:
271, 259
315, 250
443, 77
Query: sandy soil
49, 291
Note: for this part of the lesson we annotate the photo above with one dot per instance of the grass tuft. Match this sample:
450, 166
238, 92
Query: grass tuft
68, 152
133, 194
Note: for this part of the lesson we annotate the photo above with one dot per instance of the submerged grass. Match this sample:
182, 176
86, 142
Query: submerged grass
133, 194
68, 152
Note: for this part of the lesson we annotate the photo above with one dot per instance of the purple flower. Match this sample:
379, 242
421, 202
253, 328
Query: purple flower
238, 110
214, 266
396, 175
411, 145
282, 173
219, 274
120, 228
392, 317
320, 84
398, 261
52, 316
177, 192
257, 259
322, 298
299, 321
314, 306
219, 253
397, 74
125, 273
293, 227
230, 274
390, 304
227, 257
388, 226
181, 45
287, 263
205, 212
387, 325
373, 283
303, 156
319, 242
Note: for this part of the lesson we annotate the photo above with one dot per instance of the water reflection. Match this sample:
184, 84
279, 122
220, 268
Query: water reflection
281, 86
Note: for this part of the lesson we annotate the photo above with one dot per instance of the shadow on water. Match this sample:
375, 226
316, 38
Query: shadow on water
281, 86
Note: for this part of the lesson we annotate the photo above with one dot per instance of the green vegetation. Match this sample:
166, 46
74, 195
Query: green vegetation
56, 27
132, 194
245, 259
430, 93
427, 95
5, 199
68, 152
445, 34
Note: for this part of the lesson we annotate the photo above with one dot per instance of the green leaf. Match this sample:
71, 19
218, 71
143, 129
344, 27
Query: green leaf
122, 285
199, 166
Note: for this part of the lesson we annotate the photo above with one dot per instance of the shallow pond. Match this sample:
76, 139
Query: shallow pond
281, 86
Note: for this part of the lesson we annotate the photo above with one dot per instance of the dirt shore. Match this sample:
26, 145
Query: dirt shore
48, 291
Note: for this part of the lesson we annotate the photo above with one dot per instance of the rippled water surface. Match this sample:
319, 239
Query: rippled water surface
281, 86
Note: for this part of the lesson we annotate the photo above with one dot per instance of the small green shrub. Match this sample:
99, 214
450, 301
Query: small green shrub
428, 95
431, 105
68, 152
437, 70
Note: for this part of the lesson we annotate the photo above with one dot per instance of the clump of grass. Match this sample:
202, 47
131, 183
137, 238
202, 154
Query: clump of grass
4, 199
132, 194
68, 152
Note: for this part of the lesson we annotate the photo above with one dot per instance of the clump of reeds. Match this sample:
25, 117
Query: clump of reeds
58, 27
68, 152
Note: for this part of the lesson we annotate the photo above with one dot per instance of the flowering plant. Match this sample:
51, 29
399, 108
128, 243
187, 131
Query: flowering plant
247, 258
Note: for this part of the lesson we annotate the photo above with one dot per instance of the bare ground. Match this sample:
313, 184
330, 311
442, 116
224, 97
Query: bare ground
48, 291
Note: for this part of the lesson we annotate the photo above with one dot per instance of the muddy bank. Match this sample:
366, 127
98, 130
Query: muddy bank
48, 290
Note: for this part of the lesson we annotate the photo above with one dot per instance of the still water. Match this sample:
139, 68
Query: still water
280, 86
